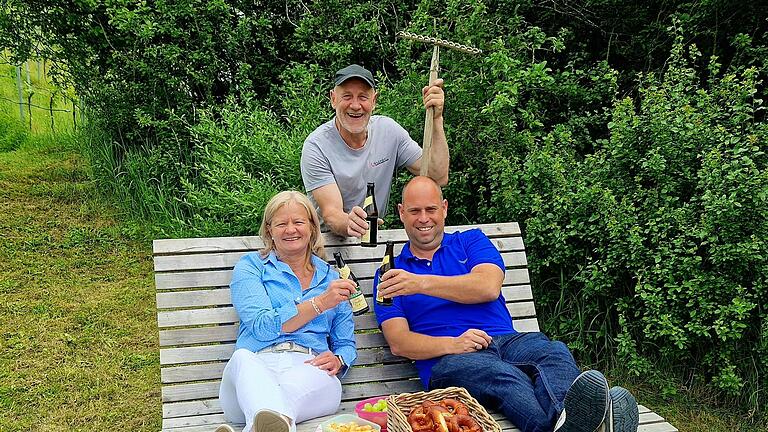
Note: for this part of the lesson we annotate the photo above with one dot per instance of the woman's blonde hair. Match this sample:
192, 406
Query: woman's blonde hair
316, 245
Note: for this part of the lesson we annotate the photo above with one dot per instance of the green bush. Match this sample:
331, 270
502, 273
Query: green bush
658, 242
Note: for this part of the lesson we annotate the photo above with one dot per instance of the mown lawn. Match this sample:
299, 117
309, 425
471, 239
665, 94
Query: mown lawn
79, 345
79, 342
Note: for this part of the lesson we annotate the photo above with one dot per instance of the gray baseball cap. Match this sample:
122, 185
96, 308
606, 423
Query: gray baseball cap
354, 71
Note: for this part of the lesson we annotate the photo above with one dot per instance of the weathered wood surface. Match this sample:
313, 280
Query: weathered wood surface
198, 325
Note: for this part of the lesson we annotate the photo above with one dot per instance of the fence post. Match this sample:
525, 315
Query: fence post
53, 129
26, 66
29, 109
21, 93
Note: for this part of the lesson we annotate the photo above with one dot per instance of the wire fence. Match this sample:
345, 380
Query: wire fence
40, 104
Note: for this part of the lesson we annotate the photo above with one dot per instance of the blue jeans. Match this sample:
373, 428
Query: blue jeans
523, 375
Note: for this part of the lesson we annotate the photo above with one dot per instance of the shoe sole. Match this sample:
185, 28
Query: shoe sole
586, 403
270, 421
625, 416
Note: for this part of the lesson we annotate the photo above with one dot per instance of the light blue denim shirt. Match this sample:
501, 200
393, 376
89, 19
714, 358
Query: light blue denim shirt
265, 293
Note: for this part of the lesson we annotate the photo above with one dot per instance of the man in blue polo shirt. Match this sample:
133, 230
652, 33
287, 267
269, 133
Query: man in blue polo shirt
448, 314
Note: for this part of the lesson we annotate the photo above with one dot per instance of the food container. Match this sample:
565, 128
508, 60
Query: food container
380, 418
345, 419
400, 406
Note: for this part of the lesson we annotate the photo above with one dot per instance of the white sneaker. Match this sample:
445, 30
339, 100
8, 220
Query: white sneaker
270, 421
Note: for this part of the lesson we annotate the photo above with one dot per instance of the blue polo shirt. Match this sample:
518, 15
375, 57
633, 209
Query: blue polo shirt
458, 253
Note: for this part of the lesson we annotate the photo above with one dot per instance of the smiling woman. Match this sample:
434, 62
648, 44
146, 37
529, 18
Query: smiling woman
293, 311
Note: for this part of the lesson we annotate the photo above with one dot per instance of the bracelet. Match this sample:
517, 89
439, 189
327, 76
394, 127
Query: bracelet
314, 306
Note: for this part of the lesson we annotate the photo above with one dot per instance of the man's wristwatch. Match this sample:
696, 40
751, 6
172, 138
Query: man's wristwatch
343, 365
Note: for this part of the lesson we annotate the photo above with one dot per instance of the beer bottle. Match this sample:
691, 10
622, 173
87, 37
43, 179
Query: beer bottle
370, 238
387, 263
359, 304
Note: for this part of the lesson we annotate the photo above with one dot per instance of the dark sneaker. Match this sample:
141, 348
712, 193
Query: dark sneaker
270, 421
586, 404
623, 415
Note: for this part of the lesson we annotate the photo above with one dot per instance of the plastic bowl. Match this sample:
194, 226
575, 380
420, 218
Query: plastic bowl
380, 418
346, 418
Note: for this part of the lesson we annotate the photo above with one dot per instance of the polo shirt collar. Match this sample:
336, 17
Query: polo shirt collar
406, 253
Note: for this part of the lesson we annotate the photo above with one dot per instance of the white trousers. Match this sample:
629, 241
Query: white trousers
280, 382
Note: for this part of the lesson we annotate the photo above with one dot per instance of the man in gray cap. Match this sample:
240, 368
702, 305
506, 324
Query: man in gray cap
356, 147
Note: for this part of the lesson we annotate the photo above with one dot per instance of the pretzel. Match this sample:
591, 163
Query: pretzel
464, 423
454, 406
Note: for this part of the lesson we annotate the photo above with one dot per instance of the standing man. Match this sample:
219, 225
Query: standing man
449, 315
356, 147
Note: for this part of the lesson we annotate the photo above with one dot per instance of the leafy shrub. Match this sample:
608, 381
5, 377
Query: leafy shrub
658, 239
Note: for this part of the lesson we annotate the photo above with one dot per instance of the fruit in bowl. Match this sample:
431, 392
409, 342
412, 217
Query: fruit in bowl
373, 409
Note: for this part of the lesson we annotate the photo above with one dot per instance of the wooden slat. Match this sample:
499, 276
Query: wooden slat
177, 318
228, 315
248, 243
228, 332
192, 408
355, 254
516, 277
200, 279
196, 354
196, 298
657, 427
212, 406
211, 371
167, 299
199, 335
222, 352
526, 325
227, 260
210, 389
221, 278
210, 420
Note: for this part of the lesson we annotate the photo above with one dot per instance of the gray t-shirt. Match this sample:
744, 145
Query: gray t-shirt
326, 159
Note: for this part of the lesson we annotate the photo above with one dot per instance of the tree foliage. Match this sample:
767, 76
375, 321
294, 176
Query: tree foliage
635, 164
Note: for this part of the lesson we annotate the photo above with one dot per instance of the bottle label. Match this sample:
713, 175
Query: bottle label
358, 301
384, 262
344, 272
366, 238
368, 201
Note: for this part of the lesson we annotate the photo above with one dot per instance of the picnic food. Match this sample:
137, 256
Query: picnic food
350, 427
379, 406
448, 415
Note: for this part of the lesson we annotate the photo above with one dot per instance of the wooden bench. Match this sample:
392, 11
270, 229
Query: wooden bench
198, 325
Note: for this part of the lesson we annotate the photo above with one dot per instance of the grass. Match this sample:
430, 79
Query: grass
79, 345
37, 118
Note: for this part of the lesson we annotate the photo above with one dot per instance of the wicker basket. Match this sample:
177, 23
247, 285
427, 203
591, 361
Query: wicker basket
400, 405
